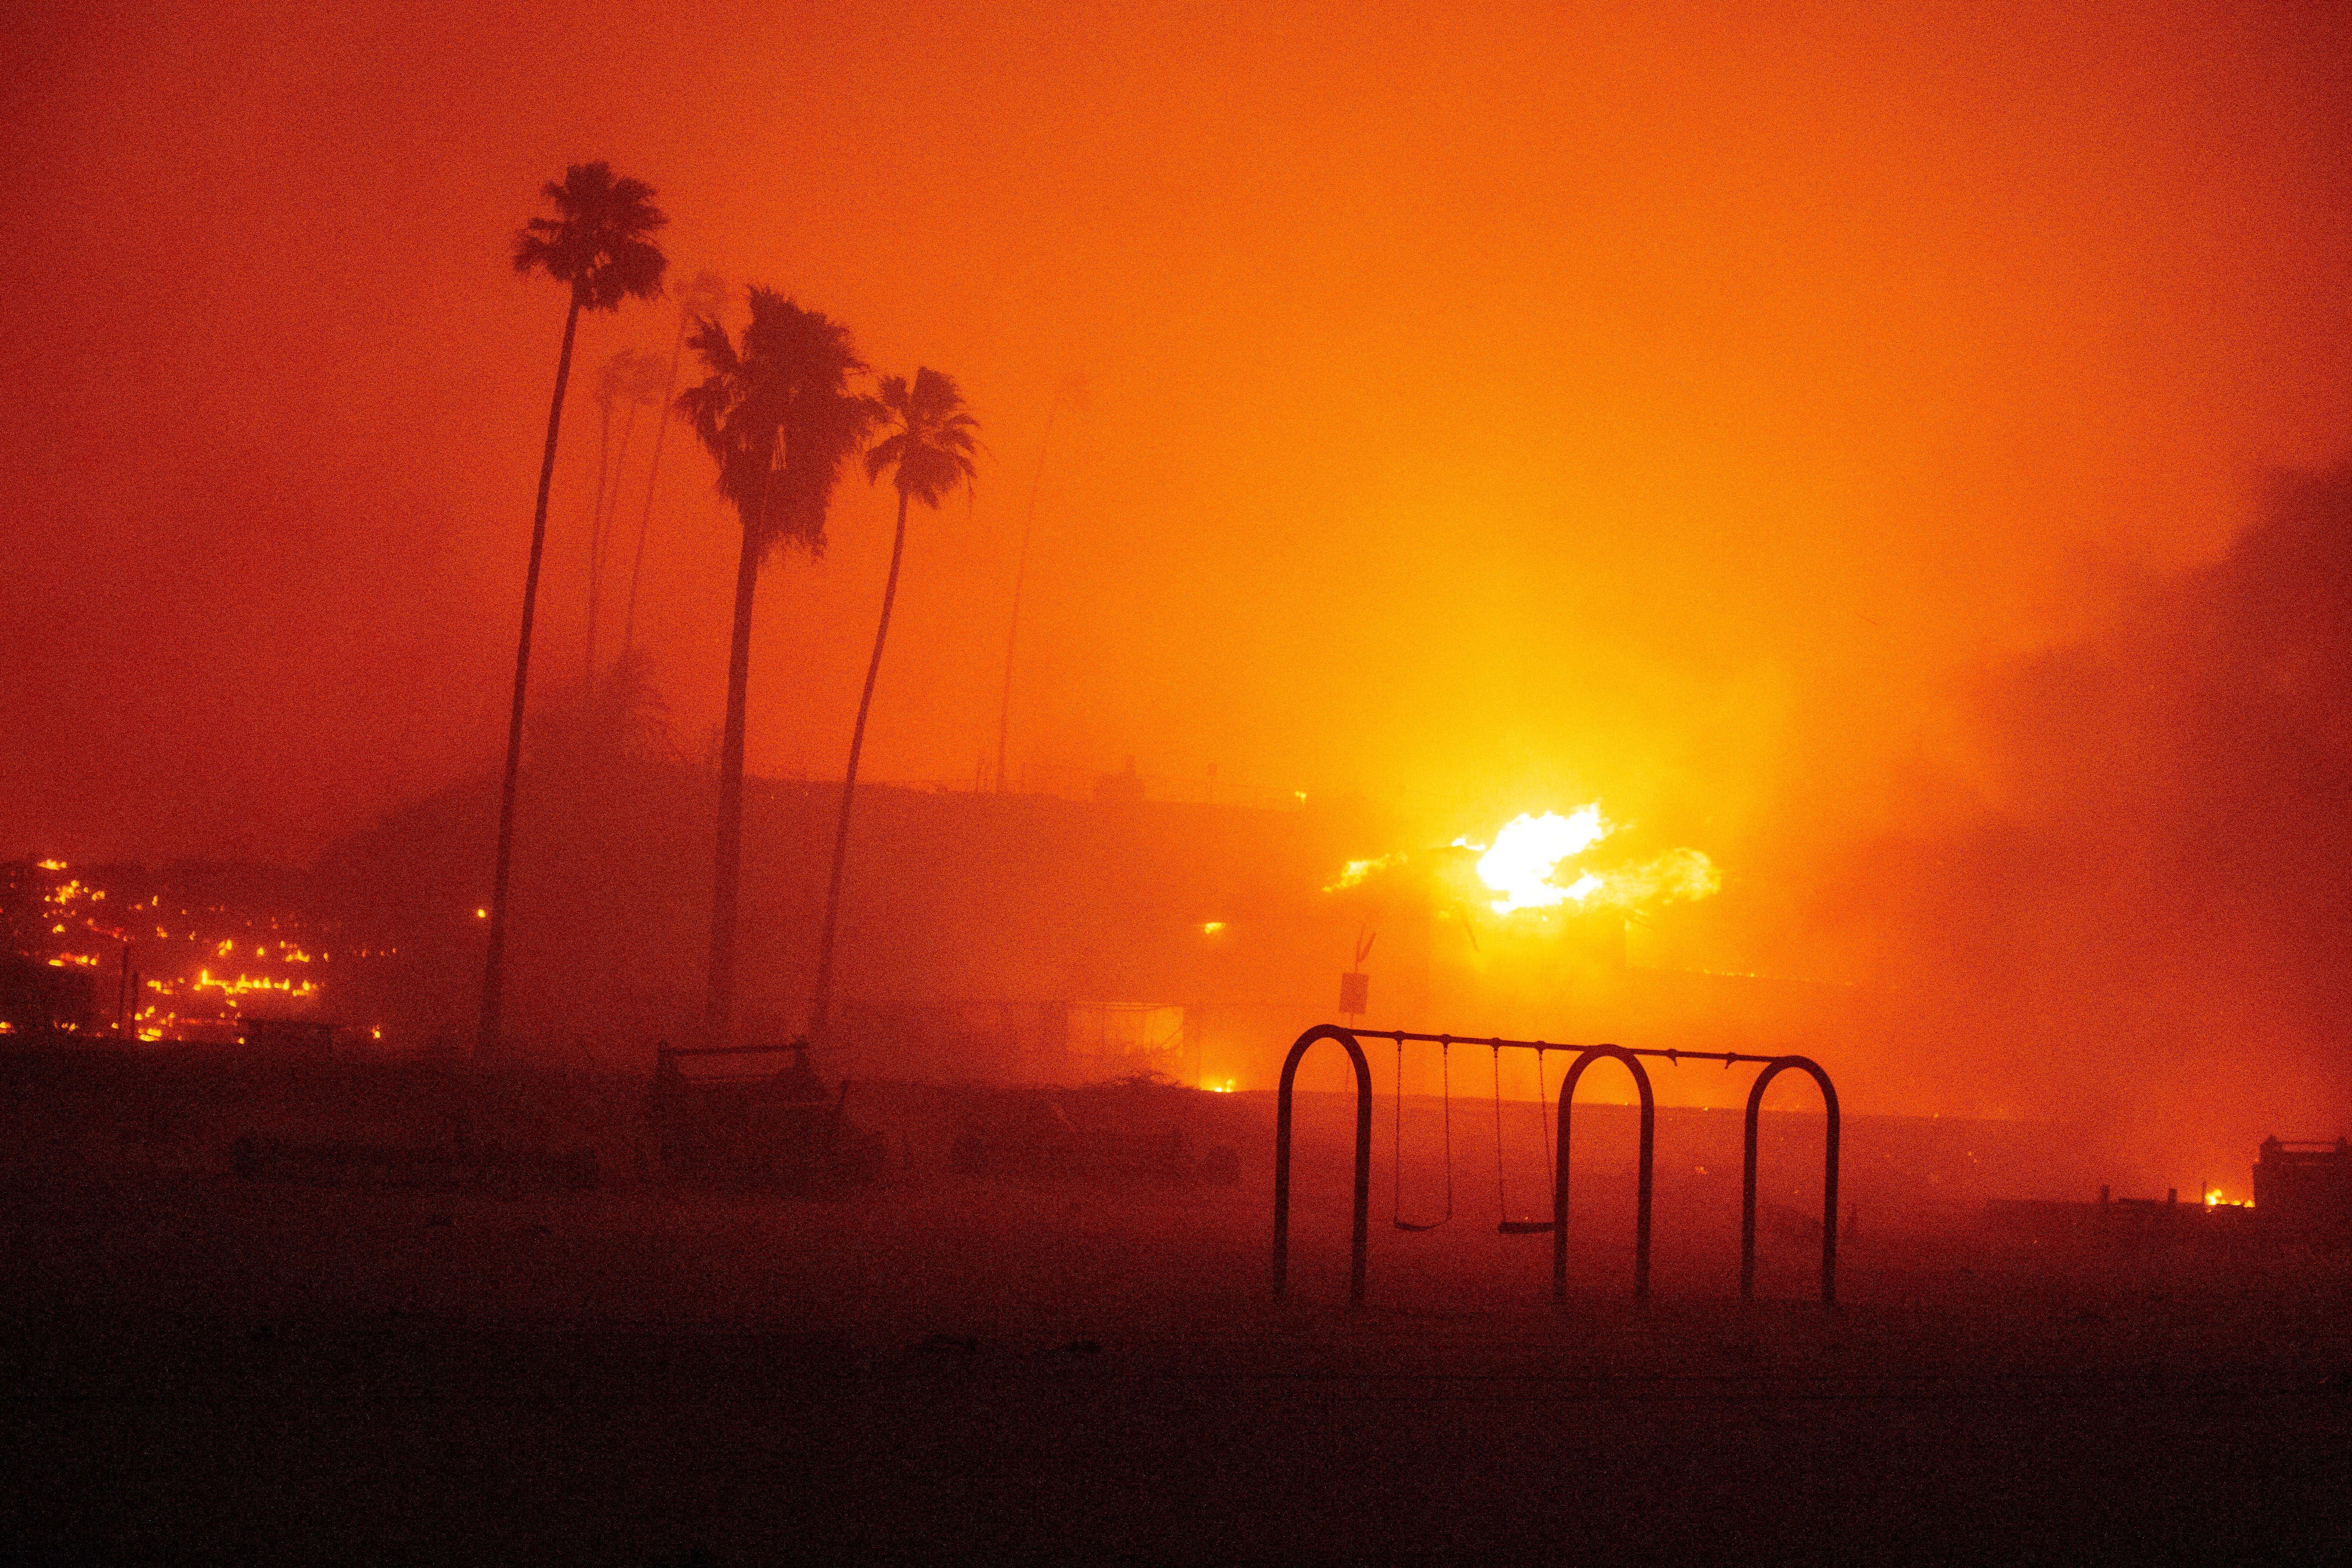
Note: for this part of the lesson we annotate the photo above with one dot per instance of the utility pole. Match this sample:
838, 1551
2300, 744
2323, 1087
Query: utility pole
1073, 390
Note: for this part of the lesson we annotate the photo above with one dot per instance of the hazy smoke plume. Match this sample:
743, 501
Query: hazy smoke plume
2142, 905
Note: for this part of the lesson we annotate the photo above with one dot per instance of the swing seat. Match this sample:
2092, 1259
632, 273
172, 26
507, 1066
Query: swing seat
1409, 1224
1524, 1227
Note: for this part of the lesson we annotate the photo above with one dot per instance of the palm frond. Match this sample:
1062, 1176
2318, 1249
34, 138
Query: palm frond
775, 413
598, 242
929, 453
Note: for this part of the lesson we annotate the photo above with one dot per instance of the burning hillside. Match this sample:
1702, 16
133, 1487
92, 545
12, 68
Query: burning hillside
188, 954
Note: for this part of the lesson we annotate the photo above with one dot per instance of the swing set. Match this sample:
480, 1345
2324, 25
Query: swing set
1587, 1055
1507, 1225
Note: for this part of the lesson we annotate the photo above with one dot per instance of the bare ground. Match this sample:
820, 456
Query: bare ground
959, 1369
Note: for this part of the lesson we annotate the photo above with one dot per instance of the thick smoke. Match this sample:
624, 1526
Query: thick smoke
2141, 913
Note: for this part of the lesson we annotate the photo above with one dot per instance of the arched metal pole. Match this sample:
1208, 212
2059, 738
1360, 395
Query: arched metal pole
1560, 1187
1747, 1183
1363, 1160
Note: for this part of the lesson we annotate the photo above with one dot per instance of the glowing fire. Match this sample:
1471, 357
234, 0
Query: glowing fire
1529, 849
243, 984
1524, 865
1527, 856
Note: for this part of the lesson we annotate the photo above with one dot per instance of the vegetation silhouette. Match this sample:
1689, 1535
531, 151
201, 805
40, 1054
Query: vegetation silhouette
620, 718
775, 413
597, 244
929, 453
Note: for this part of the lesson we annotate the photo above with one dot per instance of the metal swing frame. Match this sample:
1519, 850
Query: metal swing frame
1587, 1055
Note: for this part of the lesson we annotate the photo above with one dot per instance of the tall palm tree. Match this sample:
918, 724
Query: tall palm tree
929, 452
706, 296
596, 243
776, 413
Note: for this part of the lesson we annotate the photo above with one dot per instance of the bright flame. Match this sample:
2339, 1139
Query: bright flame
1529, 851
52, 865
1211, 927
1521, 864
1224, 1088
481, 914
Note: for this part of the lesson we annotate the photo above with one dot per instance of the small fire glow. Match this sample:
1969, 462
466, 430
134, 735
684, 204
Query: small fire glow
1211, 927
231, 990
1355, 871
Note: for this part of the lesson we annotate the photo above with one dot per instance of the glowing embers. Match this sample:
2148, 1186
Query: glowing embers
244, 985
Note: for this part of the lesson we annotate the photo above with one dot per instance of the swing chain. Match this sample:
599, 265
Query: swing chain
1396, 1141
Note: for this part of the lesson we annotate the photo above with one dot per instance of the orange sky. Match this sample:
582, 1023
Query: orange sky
1486, 414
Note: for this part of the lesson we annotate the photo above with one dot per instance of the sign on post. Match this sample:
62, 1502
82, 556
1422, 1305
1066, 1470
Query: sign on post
1355, 991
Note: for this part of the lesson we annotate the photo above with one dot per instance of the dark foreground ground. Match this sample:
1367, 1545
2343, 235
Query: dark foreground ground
955, 1369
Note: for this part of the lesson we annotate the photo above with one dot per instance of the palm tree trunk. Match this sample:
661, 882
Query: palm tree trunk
595, 530
644, 520
597, 538
718, 1001
818, 1012
486, 1040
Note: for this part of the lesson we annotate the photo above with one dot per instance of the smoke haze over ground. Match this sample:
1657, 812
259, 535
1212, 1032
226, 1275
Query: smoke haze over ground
1836, 441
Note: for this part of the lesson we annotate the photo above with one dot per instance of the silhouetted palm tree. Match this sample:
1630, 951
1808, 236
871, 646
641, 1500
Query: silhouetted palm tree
596, 243
706, 296
929, 451
777, 414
